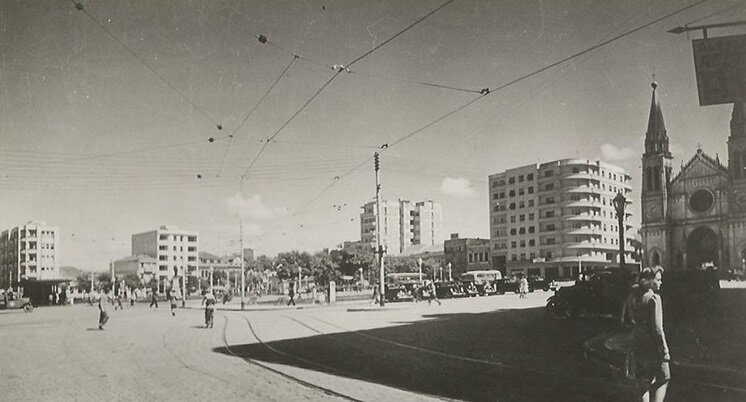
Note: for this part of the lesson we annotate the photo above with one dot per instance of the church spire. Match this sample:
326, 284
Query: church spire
656, 139
738, 120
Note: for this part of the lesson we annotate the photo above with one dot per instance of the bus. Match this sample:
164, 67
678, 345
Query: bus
403, 278
482, 277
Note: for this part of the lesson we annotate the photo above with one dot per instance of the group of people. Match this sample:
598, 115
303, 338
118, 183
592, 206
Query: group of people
648, 356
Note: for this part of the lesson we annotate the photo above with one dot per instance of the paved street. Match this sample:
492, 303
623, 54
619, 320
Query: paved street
498, 348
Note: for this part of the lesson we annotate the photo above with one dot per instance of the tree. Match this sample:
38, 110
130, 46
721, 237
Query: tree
84, 282
132, 281
104, 281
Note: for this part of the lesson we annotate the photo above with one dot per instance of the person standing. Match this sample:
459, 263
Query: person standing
118, 305
432, 294
291, 293
523, 287
153, 299
649, 347
103, 315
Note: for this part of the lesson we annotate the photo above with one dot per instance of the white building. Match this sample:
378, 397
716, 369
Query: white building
29, 252
175, 250
557, 218
403, 224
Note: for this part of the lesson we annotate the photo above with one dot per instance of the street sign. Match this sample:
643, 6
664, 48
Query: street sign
720, 65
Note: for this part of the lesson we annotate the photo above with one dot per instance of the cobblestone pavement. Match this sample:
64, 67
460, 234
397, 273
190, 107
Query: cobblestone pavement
498, 348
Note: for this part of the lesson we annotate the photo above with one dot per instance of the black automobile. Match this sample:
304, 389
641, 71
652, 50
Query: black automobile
538, 283
398, 293
487, 288
470, 288
602, 294
449, 289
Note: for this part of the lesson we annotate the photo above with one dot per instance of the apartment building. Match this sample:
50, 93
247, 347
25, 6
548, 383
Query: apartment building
144, 266
403, 224
29, 252
175, 251
557, 219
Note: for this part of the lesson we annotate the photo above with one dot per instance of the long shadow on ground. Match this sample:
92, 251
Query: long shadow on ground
506, 355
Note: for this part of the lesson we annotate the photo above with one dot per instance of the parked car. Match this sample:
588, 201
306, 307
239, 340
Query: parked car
447, 290
9, 301
470, 288
538, 283
397, 293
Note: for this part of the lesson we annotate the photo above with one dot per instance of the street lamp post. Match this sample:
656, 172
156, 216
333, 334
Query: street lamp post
441, 274
450, 278
243, 274
619, 204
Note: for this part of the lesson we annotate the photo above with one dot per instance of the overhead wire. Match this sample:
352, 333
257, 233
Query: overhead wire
252, 110
716, 13
542, 69
509, 84
79, 6
336, 74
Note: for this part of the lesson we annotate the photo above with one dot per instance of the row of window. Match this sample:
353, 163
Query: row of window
478, 257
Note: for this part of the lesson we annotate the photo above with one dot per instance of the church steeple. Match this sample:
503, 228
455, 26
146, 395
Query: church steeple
656, 139
738, 120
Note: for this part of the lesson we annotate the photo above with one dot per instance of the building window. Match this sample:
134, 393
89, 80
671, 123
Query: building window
521, 191
512, 244
512, 231
523, 243
512, 205
512, 218
530, 176
531, 242
522, 217
549, 173
551, 240
531, 229
511, 193
531, 216
550, 227
549, 186
549, 214
530, 203
511, 180
549, 200
530, 190
521, 204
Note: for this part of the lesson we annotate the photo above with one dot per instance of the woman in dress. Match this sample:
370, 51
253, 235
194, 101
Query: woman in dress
649, 347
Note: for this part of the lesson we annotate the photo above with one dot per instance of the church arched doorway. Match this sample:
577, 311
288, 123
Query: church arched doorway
701, 247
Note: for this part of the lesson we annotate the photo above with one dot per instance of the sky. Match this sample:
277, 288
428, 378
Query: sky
109, 117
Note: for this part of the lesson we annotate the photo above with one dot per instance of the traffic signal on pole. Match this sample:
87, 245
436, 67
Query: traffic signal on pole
377, 162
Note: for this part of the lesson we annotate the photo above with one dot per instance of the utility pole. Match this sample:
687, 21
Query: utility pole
243, 275
381, 275
184, 270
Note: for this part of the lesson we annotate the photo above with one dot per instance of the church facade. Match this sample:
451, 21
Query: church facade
697, 216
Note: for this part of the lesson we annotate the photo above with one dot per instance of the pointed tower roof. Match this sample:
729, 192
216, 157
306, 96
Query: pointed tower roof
738, 120
656, 138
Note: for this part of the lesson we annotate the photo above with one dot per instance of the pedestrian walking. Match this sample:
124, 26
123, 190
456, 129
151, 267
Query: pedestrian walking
172, 299
103, 315
375, 300
153, 299
522, 287
118, 305
291, 293
432, 294
208, 299
649, 347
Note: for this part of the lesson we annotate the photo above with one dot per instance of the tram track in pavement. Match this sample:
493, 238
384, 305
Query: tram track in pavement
290, 377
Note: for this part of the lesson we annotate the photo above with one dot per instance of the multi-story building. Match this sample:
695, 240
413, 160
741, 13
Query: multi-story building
466, 254
175, 251
144, 266
390, 231
557, 219
403, 224
29, 252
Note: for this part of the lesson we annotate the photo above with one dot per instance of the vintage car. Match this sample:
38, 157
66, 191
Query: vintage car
398, 293
449, 289
470, 288
602, 294
11, 302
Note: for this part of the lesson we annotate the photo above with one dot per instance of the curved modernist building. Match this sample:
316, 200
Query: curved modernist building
557, 219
